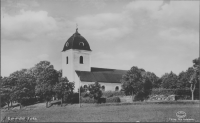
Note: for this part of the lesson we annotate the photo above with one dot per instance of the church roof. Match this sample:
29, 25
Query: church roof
76, 41
102, 75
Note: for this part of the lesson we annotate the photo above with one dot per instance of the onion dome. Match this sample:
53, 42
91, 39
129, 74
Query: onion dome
76, 41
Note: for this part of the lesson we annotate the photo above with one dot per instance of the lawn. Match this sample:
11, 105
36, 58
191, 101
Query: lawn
151, 112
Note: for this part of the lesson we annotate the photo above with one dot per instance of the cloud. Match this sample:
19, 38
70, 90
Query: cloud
43, 57
27, 25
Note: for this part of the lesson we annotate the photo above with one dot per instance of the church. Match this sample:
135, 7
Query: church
76, 66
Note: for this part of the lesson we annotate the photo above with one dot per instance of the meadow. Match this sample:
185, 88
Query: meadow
130, 112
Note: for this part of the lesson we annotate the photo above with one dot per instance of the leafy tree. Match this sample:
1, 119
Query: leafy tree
195, 78
137, 81
46, 78
22, 86
25, 89
153, 79
169, 81
5, 92
63, 88
184, 78
95, 90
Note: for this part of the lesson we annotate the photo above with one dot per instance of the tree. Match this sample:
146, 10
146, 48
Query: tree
153, 79
63, 88
22, 86
195, 77
46, 78
169, 80
5, 92
184, 78
136, 81
95, 90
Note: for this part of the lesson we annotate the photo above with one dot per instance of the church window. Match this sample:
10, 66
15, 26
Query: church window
67, 60
85, 86
103, 88
81, 44
81, 59
116, 88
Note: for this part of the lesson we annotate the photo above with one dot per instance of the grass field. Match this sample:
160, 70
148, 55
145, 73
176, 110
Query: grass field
142, 112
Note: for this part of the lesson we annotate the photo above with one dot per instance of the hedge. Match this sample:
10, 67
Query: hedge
87, 100
113, 100
101, 100
108, 94
180, 93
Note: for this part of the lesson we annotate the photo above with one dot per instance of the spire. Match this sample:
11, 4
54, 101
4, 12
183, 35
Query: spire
76, 28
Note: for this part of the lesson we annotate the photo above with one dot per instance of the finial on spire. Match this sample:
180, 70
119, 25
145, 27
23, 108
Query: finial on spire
76, 27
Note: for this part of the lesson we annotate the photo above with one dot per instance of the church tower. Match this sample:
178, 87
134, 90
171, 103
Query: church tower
75, 56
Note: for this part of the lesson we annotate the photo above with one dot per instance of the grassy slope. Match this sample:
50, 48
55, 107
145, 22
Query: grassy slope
122, 113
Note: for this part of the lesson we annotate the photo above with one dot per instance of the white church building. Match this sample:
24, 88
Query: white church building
76, 66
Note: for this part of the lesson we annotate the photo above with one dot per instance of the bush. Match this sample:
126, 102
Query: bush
72, 98
85, 94
108, 94
87, 100
165, 92
183, 94
112, 99
28, 101
139, 96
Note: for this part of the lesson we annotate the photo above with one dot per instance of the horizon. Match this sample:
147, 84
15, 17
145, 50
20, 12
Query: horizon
157, 36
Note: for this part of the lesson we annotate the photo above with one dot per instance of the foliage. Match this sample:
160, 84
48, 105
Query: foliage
5, 92
180, 93
183, 78
132, 81
46, 78
112, 93
21, 85
153, 79
138, 82
85, 94
169, 80
83, 89
113, 99
87, 100
63, 88
195, 78
95, 90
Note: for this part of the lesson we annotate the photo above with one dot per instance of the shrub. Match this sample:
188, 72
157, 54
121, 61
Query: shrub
183, 94
73, 98
108, 94
87, 100
165, 92
139, 96
112, 99
85, 94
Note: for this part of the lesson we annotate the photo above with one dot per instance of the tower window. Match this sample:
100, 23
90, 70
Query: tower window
67, 60
81, 44
81, 59
116, 88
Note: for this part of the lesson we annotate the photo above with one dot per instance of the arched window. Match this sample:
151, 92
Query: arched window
85, 86
81, 44
116, 88
81, 59
103, 88
67, 60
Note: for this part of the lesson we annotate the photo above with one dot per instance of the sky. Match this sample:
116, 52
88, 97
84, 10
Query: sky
158, 36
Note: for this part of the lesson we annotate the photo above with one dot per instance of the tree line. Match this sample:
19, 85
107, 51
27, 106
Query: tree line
42, 82
138, 82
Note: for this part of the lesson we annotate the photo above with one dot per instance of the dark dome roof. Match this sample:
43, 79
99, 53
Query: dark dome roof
76, 41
